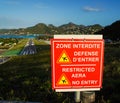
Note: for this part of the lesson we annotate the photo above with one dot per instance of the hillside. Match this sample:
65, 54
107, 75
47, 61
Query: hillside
42, 28
111, 31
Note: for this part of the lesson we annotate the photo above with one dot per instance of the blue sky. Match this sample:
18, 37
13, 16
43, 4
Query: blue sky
26, 13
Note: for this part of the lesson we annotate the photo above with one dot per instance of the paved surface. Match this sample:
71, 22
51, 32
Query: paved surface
29, 48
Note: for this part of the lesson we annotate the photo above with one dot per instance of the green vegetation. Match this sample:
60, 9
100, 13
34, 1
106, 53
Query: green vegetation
9, 40
7, 43
28, 78
42, 28
16, 49
39, 28
111, 31
111, 83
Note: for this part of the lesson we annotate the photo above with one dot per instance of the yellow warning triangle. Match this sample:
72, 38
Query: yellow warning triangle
63, 80
64, 58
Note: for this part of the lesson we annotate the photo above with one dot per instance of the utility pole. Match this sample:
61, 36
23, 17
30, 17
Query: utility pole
77, 97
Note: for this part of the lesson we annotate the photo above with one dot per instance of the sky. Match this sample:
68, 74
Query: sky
26, 13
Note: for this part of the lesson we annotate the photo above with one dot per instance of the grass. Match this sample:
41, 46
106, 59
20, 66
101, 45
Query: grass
28, 78
14, 51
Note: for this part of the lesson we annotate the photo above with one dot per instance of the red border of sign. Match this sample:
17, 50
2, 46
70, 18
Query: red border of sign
79, 40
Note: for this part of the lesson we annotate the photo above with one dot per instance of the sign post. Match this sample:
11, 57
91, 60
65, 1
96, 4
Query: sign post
77, 62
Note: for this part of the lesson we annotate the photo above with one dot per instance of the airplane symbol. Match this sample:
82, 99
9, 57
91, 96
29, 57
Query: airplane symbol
64, 81
64, 58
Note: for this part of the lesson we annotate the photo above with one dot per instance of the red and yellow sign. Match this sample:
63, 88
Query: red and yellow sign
63, 80
77, 63
64, 58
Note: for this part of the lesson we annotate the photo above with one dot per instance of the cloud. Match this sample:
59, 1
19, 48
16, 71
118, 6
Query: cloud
91, 9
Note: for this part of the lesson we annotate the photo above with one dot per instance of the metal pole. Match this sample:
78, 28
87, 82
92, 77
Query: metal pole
77, 97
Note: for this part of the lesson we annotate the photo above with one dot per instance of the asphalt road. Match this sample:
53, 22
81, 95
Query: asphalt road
29, 48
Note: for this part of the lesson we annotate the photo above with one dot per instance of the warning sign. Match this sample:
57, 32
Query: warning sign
63, 80
64, 58
77, 63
